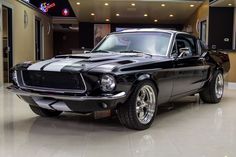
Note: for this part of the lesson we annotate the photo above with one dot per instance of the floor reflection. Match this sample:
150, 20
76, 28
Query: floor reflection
182, 128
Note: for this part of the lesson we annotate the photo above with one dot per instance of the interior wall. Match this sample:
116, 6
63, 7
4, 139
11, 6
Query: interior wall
23, 36
231, 77
201, 14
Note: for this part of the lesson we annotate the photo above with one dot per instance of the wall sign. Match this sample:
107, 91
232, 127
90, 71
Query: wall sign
46, 6
100, 31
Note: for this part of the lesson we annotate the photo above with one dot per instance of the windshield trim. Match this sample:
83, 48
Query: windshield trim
168, 49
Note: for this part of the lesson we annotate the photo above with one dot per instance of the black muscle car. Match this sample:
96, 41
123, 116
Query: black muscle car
129, 72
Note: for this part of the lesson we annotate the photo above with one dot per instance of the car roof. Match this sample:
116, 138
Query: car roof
151, 30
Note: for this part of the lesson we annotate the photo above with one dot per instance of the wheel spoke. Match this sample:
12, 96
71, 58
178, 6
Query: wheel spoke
145, 104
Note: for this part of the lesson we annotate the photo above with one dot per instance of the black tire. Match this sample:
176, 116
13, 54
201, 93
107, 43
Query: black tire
44, 112
209, 94
127, 113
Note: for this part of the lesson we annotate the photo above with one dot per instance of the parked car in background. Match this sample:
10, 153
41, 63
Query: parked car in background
131, 72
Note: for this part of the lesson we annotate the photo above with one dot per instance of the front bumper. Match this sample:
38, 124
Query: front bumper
69, 103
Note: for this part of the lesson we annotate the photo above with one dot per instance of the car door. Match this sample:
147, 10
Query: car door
189, 67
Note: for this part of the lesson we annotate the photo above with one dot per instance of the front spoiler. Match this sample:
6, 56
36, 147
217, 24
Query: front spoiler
82, 104
66, 97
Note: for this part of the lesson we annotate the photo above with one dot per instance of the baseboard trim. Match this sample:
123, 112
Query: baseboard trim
230, 85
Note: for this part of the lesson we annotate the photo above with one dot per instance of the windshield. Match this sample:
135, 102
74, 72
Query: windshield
151, 43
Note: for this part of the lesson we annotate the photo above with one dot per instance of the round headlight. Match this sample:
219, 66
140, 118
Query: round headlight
108, 83
14, 77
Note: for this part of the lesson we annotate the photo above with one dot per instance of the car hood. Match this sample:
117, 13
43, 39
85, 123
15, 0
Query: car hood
96, 62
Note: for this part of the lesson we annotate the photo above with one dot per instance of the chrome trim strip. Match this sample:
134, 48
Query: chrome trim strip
21, 92
53, 90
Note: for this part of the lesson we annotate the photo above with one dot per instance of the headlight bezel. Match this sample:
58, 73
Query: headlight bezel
107, 83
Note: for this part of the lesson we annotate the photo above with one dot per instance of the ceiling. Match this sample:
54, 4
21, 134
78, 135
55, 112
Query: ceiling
128, 13
224, 3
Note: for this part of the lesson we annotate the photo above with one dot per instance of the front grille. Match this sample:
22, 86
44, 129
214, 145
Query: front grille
53, 80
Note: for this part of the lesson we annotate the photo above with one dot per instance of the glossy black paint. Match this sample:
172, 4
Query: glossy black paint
174, 77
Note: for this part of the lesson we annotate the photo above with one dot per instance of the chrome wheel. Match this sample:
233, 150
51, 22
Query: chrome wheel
145, 104
219, 86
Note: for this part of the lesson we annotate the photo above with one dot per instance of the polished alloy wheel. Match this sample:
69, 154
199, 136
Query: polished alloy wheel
219, 85
145, 104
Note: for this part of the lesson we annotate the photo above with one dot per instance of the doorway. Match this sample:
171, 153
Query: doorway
38, 39
7, 43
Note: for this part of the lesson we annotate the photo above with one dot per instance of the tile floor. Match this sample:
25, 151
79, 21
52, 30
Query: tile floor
189, 129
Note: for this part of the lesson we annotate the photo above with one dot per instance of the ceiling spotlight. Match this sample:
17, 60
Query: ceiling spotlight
92, 14
171, 15
145, 15
78, 3
191, 5
117, 14
106, 4
155, 20
230, 4
133, 4
107, 20
163, 5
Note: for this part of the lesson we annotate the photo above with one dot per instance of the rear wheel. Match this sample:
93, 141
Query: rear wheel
214, 91
139, 111
44, 112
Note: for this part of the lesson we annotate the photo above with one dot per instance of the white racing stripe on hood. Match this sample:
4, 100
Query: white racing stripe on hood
57, 66
39, 65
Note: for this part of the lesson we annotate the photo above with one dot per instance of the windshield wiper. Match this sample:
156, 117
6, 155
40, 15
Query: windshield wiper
135, 51
102, 51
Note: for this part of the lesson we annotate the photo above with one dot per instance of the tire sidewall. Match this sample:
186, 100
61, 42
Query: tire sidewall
214, 84
132, 102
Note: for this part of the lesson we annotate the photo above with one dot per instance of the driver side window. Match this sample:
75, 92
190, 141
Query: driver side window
185, 42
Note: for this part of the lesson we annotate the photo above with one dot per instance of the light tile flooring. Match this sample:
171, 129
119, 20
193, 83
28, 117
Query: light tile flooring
189, 129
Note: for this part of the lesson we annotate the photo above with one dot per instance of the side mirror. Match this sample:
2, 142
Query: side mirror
184, 52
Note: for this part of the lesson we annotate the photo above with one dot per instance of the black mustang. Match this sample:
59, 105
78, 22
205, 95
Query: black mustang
130, 72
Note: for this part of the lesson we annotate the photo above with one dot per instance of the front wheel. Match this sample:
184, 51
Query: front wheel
140, 109
44, 112
213, 93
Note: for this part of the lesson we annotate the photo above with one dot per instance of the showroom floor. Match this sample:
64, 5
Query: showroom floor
189, 129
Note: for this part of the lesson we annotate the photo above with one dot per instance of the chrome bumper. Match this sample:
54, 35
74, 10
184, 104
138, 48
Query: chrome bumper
65, 97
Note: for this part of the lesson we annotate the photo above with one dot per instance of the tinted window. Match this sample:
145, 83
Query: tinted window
186, 41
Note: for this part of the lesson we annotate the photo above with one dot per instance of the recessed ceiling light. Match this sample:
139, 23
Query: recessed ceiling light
133, 4
106, 4
145, 15
230, 4
107, 20
78, 3
155, 20
117, 14
163, 5
171, 15
191, 5
92, 14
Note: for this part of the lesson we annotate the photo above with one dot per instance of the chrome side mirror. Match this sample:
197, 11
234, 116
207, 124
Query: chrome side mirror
184, 52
